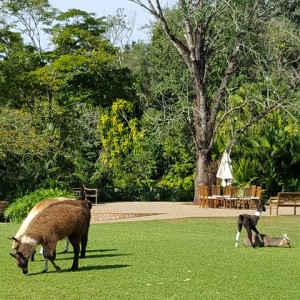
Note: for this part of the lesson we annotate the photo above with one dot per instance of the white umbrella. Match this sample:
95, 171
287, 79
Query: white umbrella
225, 170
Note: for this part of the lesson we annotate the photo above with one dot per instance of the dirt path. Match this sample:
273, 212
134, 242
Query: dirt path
142, 211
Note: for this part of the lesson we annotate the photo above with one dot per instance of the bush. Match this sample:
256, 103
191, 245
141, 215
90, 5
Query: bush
19, 209
146, 192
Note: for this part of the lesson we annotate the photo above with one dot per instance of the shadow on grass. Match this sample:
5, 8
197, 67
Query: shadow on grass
89, 256
83, 269
104, 267
61, 255
95, 250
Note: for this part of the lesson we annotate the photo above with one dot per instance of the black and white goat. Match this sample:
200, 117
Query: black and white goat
249, 222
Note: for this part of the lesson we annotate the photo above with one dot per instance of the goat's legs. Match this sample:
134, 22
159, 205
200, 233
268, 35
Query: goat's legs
50, 254
238, 233
249, 232
83, 245
258, 234
67, 246
57, 268
240, 226
75, 242
32, 256
245, 222
46, 263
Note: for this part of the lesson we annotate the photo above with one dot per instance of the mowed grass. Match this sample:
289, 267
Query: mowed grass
169, 259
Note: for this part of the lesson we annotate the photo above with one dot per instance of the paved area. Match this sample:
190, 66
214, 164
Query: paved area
142, 211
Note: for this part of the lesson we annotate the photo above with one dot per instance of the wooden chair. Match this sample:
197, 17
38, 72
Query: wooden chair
224, 194
90, 194
227, 190
231, 201
203, 193
253, 190
216, 198
255, 200
245, 200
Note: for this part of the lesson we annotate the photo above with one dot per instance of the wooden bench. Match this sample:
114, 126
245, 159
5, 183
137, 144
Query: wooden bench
91, 194
85, 193
285, 199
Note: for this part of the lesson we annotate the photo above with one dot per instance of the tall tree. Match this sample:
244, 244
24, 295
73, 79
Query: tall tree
29, 17
211, 40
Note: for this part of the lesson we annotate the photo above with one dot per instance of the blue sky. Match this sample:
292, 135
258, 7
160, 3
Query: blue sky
109, 7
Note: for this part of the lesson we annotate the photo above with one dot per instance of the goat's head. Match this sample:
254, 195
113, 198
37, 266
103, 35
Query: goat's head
22, 253
261, 208
285, 240
22, 261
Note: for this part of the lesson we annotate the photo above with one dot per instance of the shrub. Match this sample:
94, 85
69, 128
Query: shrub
19, 209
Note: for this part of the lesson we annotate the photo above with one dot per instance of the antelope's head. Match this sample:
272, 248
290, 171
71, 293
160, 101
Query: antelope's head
22, 261
19, 250
286, 241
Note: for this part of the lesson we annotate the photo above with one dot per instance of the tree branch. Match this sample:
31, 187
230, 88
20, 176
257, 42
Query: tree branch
218, 124
160, 17
253, 121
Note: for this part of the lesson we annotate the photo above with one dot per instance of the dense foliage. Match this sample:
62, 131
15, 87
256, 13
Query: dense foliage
121, 119
19, 209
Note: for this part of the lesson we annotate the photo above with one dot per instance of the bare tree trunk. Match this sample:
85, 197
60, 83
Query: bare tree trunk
201, 134
201, 176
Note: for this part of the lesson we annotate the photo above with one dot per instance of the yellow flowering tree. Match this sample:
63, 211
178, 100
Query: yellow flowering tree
121, 140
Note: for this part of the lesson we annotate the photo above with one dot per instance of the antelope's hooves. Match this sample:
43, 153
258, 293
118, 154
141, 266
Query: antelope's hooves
58, 270
44, 271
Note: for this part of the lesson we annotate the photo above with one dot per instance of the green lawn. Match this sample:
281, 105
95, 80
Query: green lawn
173, 259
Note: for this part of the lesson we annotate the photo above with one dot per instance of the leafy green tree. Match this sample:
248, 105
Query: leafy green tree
18, 87
269, 154
83, 62
61, 91
210, 38
27, 17
82, 76
23, 149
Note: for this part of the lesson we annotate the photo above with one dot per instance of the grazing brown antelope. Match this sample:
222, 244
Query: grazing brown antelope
249, 222
268, 241
33, 212
60, 220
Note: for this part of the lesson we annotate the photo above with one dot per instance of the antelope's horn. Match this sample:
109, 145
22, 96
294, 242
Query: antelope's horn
13, 239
